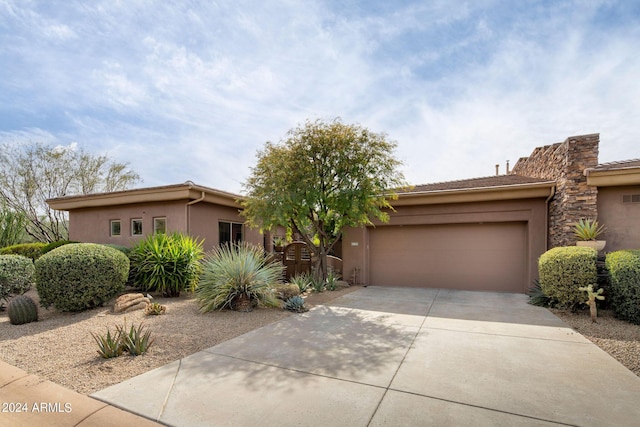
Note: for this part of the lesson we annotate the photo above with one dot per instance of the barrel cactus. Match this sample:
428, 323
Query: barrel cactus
22, 310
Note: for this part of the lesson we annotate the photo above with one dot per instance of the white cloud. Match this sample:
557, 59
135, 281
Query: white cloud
193, 91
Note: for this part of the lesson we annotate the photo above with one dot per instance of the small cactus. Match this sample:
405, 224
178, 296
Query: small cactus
295, 304
22, 309
591, 302
155, 309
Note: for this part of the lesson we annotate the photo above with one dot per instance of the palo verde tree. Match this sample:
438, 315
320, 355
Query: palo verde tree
323, 177
31, 173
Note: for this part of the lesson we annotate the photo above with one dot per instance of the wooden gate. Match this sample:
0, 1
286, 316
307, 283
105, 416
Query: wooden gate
296, 258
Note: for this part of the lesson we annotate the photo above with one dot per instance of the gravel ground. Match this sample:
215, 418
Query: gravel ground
618, 338
59, 347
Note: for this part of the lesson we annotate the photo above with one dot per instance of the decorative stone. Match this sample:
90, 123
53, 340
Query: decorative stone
130, 302
565, 163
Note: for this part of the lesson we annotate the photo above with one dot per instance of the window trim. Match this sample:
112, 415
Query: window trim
133, 220
155, 220
111, 224
231, 224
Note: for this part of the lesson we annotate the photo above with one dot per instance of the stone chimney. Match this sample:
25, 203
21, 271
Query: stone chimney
565, 163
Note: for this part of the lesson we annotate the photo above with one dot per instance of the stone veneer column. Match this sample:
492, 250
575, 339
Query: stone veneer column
565, 163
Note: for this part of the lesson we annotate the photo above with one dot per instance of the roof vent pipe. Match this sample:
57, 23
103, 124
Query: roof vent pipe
497, 170
508, 171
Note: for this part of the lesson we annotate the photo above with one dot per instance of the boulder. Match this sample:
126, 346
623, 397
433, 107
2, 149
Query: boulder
130, 302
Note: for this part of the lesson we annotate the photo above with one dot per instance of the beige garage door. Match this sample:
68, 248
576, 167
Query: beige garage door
488, 256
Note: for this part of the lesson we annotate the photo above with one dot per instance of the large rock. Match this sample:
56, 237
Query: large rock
130, 302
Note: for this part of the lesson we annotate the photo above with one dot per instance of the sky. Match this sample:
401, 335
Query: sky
192, 90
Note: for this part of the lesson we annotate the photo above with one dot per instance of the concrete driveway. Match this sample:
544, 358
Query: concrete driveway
395, 356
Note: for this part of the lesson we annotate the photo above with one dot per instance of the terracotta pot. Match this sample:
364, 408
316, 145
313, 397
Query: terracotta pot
598, 245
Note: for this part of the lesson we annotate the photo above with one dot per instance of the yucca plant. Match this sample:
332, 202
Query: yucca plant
167, 264
237, 277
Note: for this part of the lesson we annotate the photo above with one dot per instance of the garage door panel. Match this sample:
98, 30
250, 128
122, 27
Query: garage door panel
490, 256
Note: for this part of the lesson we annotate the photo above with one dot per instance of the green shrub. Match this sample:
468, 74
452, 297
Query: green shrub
16, 275
80, 276
564, 270
125, 250
51, 246
624, 274
30, 250
237, 277
166, 263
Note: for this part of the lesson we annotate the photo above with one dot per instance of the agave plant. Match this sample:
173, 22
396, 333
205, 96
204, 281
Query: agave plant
166, 263
237, 277
587, 229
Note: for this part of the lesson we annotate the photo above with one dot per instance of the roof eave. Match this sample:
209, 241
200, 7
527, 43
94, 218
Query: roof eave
186, 192
613, 177
480, 194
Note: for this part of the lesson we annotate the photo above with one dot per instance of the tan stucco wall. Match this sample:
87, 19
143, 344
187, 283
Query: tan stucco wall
93, 224
533, 212
199, 220
621, 219
203, 223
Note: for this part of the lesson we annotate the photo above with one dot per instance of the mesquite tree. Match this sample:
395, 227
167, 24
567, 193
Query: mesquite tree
323, 177
31, 173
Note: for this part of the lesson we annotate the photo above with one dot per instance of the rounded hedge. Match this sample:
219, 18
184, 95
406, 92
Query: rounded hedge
16, 275
624, 274
565, 269
30, 250
80, 276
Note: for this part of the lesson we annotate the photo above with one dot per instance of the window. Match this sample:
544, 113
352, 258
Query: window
230, 232
631, 198
159, 225
115, 227
136, 227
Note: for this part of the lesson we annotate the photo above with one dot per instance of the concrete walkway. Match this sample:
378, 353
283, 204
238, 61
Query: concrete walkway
27, 400
395, 356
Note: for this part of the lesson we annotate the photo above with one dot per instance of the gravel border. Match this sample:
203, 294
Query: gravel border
618, 338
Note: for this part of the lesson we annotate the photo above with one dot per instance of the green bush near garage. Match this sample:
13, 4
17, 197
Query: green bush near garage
564, 270
16, 275
30, 250
624, 276
80, 276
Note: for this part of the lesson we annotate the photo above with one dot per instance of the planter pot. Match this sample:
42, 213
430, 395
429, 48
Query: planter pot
598, 245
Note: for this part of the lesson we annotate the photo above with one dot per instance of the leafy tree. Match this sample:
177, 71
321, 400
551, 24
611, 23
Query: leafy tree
323, 177
32, 173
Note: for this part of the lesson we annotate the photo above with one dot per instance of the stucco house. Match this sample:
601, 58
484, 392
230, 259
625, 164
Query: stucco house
478, 234
124, 217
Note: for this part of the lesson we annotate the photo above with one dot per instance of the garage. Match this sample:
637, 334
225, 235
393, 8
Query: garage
476, 256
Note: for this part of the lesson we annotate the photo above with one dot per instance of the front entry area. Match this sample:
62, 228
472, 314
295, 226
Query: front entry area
476, 256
